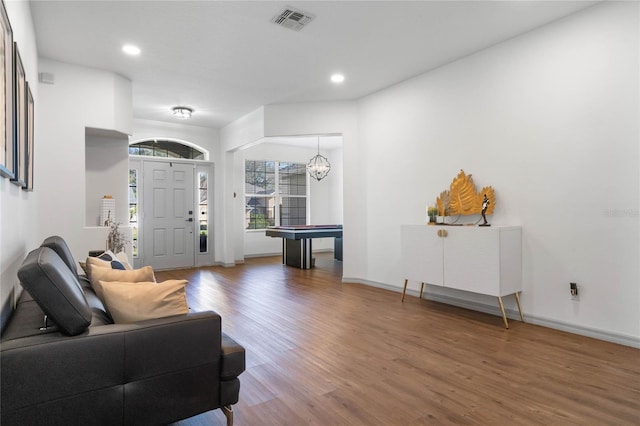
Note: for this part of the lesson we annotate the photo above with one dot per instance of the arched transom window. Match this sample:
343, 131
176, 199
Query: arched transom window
166, 148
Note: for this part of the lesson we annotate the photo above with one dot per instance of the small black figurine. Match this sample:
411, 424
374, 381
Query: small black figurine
485, 206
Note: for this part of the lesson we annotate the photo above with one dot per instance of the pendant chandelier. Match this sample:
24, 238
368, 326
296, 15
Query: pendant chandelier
318, 167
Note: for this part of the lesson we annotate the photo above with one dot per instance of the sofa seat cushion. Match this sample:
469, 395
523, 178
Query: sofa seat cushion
27, 319
132, 302
56, 290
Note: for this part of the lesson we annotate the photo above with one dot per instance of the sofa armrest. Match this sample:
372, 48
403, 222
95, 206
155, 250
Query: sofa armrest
233, 358
124, 358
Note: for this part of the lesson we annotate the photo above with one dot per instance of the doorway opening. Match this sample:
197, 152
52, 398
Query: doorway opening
169, 208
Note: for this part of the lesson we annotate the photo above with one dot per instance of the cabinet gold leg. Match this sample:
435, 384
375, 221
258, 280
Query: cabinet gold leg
504, 316
421, 288
405, 289
517, 294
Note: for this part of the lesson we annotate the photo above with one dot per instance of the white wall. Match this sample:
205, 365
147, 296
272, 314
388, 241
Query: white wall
80, 98
245, 130
550, 120
325, 204
107, 172
327, 195
19, 209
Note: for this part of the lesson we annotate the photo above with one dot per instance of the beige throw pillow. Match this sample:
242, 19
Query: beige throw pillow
93, 262
131, 302
100, 275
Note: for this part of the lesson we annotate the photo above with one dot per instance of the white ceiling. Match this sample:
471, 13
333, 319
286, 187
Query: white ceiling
225, 58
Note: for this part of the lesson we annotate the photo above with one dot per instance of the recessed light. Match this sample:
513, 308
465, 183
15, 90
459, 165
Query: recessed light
130, 49
337, 78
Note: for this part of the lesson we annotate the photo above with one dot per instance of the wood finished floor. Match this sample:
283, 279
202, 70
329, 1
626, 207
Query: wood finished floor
320, 352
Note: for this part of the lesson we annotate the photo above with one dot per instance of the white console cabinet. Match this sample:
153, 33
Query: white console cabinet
485, 260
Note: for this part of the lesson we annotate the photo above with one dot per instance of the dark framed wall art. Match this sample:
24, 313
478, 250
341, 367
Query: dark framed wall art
20, 90
29, 130
7, 140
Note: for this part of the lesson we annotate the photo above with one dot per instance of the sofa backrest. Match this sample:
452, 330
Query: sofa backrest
56, 290
59, 245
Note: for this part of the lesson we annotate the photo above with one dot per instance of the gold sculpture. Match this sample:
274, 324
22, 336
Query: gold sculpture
443, 203
463, 199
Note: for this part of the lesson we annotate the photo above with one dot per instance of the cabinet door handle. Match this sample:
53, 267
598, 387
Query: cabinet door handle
442, 233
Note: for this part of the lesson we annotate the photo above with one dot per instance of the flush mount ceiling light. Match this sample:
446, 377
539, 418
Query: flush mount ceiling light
337, 78
182, 112
318, 167
130, 49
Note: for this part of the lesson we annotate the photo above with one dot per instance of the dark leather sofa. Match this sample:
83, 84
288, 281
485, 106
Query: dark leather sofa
64, 362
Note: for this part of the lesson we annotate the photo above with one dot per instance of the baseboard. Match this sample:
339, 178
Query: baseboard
595, 333
251, 256
608, 336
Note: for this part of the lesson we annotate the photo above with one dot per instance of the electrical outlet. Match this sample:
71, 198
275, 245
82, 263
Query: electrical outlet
573, 287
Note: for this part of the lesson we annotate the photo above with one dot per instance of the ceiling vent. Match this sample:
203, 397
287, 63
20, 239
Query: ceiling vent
292, 18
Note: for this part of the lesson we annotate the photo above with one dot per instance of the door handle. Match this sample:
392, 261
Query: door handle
189, 220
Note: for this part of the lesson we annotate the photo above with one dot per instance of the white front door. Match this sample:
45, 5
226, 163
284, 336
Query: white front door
168, 228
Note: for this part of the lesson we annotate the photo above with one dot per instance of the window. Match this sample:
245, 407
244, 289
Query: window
292, 186
275, 194
133, 208
203, 211
165, 148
